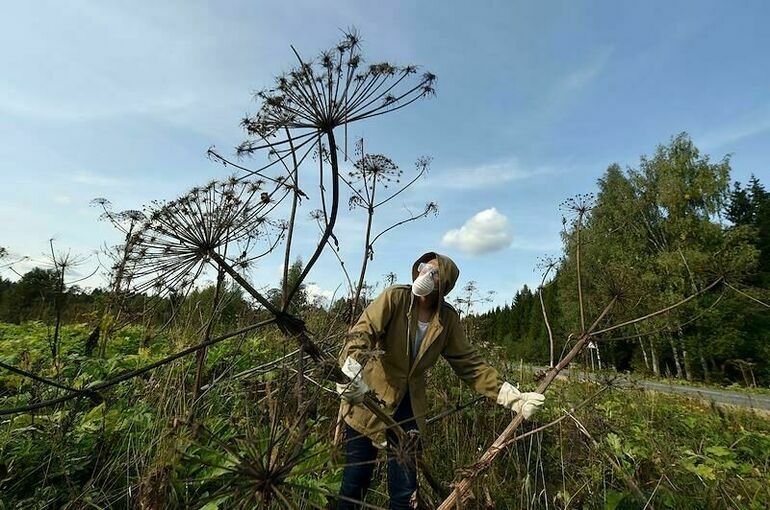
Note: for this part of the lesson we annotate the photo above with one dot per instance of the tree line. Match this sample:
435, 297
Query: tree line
653, 234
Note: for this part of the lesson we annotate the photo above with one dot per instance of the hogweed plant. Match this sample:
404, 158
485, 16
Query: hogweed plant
274, 459
62, 263
230, 225
579, 206
119, 263
546, 265
373, 173
471, 296
178, 240
300, 113
465, 303
333, 90
219, 224
297, 117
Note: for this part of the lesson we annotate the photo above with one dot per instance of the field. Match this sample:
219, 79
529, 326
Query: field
134, 449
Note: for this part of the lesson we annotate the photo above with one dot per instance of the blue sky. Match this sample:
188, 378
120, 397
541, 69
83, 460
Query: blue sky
535, 99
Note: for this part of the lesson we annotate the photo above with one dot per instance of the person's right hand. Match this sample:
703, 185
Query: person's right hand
354, 390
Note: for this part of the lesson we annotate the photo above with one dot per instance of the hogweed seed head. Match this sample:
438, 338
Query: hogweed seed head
332, 90
178, 237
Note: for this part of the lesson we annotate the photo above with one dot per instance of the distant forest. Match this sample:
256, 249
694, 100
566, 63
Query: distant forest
657, 233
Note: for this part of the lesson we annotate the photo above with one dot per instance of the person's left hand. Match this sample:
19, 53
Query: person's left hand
525, 403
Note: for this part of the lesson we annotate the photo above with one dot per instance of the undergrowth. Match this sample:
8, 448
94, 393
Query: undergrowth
141, 447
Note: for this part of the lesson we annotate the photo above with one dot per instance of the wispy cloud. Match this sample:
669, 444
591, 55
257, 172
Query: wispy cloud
568, 87
486, 175
93, 179
58, 109
745, 128
579, 78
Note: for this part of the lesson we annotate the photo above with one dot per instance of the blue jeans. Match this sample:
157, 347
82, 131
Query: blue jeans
360, 457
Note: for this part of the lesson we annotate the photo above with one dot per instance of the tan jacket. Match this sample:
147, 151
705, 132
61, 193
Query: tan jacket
388, 325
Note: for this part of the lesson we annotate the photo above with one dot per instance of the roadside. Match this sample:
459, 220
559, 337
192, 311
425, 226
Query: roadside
746, 399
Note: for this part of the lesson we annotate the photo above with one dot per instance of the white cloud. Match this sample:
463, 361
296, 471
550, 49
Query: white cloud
318, 295
485, 232
488, 175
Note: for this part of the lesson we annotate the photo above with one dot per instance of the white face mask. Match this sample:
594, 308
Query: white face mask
424, 284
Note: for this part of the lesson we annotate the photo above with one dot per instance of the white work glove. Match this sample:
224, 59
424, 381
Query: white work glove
355, 390
518, 402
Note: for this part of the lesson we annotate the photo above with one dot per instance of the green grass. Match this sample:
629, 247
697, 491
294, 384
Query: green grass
682, 452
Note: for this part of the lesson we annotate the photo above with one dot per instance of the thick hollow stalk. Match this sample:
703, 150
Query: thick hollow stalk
545, 317
201, 355
290, 232
332, 215
579, 283
262, 300
364, 264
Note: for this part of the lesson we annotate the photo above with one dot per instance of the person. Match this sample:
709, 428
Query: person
398, 337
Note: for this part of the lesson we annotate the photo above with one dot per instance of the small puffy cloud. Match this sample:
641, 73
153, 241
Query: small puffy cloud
316, 294
485, 232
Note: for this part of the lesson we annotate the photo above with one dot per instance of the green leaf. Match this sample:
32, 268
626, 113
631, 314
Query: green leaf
612, 499
703, 471
214, 505
719, 451
93, 414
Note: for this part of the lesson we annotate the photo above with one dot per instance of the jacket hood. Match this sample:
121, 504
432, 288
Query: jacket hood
448, 271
